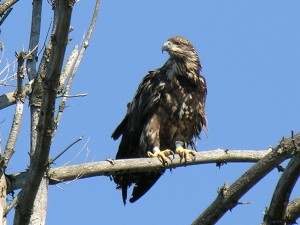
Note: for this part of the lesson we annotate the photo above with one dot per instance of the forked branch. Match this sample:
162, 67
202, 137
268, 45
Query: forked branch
275, 214
229, 195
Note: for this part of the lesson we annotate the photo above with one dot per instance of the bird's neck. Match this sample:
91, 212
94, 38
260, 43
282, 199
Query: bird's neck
183, 68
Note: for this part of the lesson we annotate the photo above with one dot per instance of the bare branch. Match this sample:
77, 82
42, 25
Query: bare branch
5, 15
111, 167
13, 203
90, 31
293, 211
34, 38
66, 72
77, 62
16, 124
20, 73
275, 213
229, 196
78, 153
6, 5
73, 95
7, 99
66, 149
68, 68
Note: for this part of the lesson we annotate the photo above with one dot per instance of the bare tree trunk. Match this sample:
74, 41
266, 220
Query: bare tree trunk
53, 57
3, 188
39, 211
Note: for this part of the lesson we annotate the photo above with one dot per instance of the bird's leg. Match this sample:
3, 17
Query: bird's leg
160, 154
184, 152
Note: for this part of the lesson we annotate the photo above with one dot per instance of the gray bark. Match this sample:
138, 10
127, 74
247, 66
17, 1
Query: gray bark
111, 167
3, 188
229, 195
54, 55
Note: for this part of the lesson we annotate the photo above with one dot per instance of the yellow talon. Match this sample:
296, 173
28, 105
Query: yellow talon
160, 154
185, 152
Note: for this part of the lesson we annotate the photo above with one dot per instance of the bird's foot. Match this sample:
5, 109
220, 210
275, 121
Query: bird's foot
160, 154
184, 153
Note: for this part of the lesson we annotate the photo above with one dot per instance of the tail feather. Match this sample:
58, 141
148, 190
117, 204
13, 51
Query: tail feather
120, 129
124, 189
143, 182
123, 182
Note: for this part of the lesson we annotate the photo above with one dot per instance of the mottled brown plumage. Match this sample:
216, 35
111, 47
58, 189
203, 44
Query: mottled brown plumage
167, 111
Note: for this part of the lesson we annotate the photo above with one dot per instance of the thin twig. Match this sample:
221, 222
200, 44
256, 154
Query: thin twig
13, 203
78, 153
80, 173
72, 96
66, 149
8, 77
48, 31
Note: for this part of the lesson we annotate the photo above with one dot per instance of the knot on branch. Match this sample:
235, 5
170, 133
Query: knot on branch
268, 220
289, 145
222, 190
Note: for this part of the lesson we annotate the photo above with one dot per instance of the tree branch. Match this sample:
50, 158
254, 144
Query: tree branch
74, 62
7, 99
66, 149
67, 70
6, 5
293, 211
275, 213
36, 16
228, 196
10, 98
16, 124
111, 167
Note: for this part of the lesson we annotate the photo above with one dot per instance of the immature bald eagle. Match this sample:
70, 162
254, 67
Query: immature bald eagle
166, 114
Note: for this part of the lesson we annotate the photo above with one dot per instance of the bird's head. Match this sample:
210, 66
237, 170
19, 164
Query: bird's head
178, 46
181, 49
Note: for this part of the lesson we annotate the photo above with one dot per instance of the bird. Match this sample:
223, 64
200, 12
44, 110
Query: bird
165, 116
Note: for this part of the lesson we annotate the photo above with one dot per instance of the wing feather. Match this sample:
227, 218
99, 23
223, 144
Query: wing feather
140, 110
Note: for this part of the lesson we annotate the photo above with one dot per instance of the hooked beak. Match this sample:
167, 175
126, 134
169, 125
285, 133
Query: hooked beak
166, 46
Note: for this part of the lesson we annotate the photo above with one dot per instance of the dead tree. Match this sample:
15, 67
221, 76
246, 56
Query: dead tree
49, 78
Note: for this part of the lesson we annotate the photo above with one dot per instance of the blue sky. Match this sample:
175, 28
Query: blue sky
249, 52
